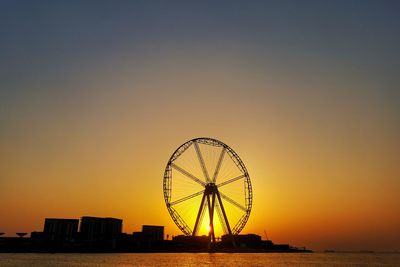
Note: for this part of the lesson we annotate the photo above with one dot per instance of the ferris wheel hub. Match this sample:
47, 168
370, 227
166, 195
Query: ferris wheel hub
210, 188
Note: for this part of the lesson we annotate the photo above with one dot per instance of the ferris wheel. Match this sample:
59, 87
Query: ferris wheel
207, 189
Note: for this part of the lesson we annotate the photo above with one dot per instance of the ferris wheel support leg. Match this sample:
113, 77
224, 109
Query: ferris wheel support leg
212, 213
199, 215
211, 216
225, 218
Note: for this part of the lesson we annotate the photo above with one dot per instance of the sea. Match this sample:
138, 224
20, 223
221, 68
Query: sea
199, 259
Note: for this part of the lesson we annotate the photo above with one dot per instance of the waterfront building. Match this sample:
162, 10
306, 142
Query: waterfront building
191, 242
152, 233
100, 229
64, 230
242, 241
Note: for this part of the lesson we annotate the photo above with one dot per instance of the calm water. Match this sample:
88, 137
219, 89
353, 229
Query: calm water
201, 259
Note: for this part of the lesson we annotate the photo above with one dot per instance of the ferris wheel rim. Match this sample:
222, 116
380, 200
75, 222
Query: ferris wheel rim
179, 221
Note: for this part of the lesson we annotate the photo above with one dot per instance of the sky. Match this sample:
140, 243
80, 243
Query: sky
95, 96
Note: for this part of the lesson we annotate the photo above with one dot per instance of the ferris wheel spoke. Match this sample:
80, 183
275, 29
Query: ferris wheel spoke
186, 198
203, 165
232, 202
187, 174
231, 180
221, 157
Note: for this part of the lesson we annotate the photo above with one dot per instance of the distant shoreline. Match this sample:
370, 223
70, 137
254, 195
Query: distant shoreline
106, 251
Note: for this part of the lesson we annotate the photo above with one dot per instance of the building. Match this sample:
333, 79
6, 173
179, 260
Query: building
191, 242
137, 236
152, 233
100, 229
64, 230
242, 241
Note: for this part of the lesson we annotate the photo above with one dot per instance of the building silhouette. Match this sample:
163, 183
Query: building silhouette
242, 241
152, 233
105, 235
94, 229
63, 230
191, 242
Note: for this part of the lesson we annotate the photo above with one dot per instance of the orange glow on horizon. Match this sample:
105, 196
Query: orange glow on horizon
323, 163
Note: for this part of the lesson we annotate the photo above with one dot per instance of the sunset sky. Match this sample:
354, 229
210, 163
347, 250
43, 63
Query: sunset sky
96, 95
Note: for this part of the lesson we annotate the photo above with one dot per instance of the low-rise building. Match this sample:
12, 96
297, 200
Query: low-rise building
191, 242
63, 230
152, 233
99, 229
242, 241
